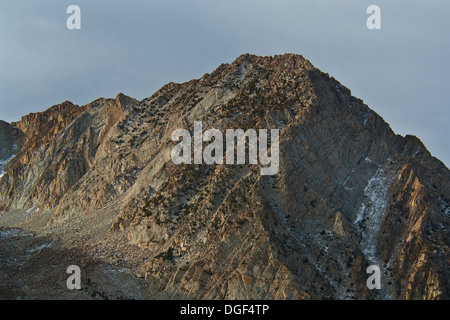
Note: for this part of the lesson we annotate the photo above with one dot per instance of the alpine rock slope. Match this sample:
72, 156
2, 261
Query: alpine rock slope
95, 185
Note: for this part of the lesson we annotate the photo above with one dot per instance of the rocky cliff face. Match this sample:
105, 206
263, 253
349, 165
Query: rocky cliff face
349, 192
11, 140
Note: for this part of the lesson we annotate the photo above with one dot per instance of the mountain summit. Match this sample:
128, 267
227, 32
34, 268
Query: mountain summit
95, 186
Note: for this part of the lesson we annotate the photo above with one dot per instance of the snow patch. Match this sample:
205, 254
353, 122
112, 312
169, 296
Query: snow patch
372, 211
367, 159
11, 233
40, 247
3, 164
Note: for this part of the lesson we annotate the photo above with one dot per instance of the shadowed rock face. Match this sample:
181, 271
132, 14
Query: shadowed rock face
11, 140
349, 193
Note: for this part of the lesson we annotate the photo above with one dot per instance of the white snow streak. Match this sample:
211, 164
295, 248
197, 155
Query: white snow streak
3, 164
372, 212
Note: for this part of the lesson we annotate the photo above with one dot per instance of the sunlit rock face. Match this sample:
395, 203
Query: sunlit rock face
349, 192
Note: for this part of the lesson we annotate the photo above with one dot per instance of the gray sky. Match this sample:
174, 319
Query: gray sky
401, 71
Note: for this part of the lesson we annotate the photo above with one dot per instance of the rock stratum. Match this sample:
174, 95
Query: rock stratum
95, 186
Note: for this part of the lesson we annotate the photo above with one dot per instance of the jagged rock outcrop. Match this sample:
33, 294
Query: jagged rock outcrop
349, 192
61, 145
11, 140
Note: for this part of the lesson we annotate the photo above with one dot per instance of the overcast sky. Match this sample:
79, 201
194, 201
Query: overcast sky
401, 71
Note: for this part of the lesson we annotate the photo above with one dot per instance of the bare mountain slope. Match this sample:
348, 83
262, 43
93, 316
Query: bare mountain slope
350, 193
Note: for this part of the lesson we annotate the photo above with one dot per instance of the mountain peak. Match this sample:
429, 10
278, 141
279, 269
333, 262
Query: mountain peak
125, 100
349, 192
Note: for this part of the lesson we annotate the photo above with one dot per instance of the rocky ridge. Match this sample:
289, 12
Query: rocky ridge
99, 180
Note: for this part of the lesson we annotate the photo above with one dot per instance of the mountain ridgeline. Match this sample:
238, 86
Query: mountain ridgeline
349, 193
